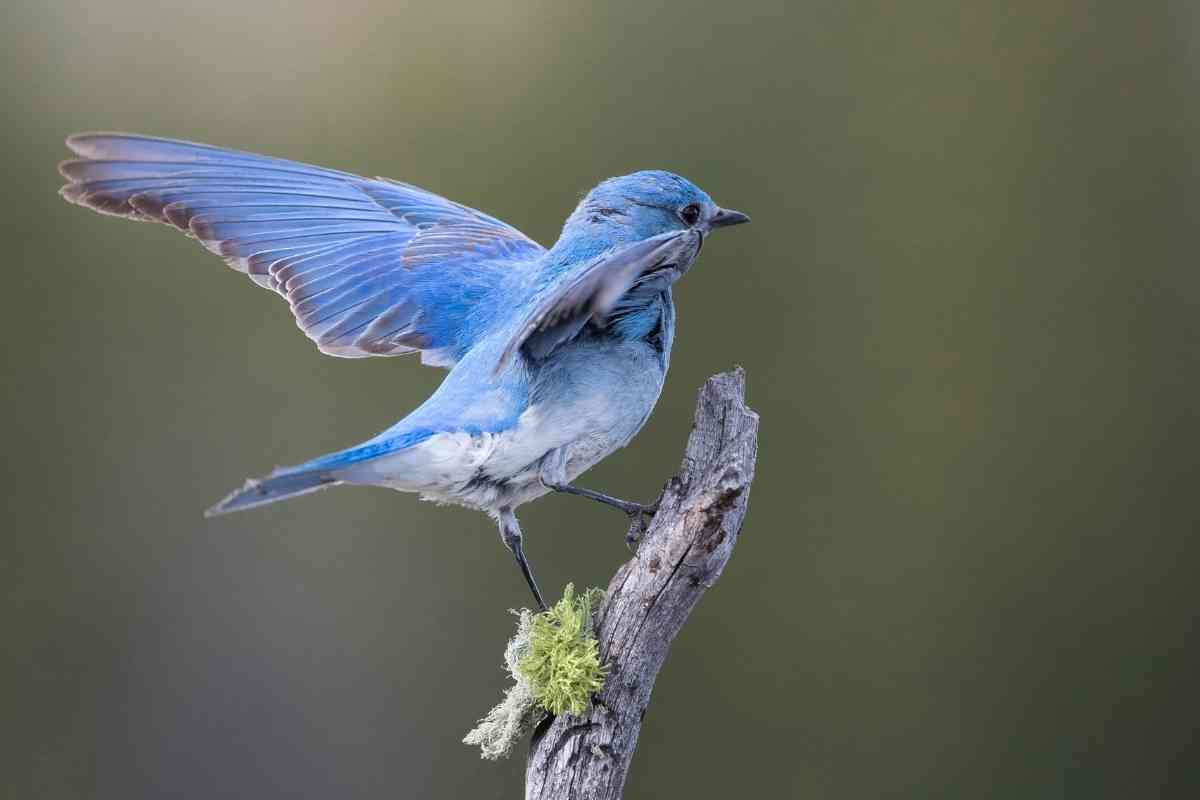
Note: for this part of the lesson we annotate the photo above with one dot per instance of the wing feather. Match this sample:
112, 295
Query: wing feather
593, 290
368, 266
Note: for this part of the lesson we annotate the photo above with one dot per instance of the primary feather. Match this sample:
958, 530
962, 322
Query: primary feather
370, 267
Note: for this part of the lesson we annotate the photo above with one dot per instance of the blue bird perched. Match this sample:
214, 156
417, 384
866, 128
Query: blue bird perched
556, 356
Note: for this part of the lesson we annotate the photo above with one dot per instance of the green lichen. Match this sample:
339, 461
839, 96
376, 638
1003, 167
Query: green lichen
562, 664
518, 713
554, 662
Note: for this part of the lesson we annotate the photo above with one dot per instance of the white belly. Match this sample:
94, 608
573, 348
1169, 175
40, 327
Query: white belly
588, 407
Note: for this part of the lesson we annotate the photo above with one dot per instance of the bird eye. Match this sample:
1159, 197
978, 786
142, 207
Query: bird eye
690, 213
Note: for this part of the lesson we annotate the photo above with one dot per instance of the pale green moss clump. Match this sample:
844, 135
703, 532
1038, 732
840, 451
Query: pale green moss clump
562, 664
554, 662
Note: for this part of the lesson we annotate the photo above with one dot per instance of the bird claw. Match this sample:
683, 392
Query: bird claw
638, 509
639, 522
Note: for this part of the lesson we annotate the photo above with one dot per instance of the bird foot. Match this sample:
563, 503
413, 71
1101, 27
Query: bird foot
639, 522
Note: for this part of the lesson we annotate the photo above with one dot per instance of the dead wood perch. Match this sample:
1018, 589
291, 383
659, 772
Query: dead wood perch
682, 553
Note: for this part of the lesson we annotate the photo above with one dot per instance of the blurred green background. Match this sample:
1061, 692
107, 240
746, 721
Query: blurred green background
968, 308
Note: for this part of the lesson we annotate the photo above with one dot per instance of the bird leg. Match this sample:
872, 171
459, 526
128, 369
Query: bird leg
510, 534
553, 475
628, 506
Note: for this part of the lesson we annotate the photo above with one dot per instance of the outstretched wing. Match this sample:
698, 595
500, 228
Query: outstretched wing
595, 287
369, 267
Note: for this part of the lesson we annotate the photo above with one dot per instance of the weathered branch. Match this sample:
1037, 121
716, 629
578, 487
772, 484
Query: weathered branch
684, 550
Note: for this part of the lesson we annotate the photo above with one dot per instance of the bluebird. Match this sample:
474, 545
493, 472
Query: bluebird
556, 357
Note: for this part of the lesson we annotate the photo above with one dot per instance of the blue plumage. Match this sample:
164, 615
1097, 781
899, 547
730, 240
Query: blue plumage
556, 356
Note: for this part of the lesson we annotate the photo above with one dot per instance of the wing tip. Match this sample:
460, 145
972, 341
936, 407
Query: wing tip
77, 143
91, 144
99, 144
70, 168
72, 193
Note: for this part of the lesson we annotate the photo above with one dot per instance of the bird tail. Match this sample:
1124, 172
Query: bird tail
279, 485
327, 470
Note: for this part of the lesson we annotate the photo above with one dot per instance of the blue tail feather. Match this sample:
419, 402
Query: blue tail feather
273, 488
313, 475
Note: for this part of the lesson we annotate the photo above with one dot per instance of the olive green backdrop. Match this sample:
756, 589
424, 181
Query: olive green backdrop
967, 308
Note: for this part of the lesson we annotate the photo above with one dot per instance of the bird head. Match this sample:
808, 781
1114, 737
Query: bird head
641, 205
648, 203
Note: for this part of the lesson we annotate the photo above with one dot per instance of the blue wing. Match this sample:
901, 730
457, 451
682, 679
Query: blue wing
369, 267
594, 288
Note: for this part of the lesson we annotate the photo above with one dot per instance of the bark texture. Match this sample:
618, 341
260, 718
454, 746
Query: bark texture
681, 554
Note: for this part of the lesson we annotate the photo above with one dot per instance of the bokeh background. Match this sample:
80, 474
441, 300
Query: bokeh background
968, 309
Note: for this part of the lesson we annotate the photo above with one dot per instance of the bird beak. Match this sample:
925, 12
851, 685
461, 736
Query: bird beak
726, 217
